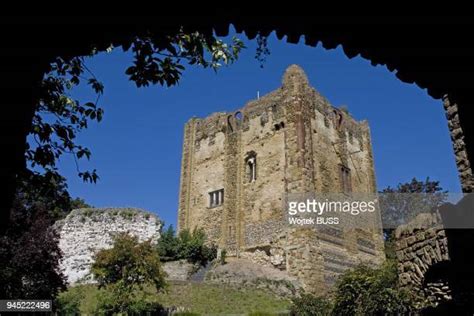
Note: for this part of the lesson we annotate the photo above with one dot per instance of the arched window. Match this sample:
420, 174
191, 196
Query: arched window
251, 166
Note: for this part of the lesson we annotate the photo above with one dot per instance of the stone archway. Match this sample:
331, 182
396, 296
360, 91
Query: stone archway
32, 43
421, 246
434, 255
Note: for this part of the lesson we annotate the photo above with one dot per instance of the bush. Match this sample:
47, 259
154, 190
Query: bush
310, 305
368, 291
129, 275
78, 300
69, 302
187, 245
223, 256
361, 291
116, 299
129, 263
108, 300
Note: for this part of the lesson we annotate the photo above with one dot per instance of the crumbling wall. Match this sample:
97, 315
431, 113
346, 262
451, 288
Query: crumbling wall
421, 246
457, 137
85, 231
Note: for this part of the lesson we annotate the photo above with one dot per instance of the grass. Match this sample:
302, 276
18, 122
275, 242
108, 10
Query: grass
218, 299
197, 298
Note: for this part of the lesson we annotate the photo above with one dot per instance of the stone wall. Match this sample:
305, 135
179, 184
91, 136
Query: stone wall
179, 270
457, 137
421, 246
85, 231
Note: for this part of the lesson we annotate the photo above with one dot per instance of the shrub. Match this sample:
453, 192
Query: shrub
108, 300
129, 275
130, 262
223, 256
168, 245
119, 299
310, 305
69, 302
368, 291
187, 245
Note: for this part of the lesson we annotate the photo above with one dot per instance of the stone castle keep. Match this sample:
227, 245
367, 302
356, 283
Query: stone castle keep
238, 167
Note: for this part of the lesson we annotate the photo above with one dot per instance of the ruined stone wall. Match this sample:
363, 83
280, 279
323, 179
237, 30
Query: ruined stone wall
337, 139
463, 164
421, 245
300, 141
262, 199
85, 231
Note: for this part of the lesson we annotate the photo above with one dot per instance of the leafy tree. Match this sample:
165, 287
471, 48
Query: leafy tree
168, 244
29, 247
411, 198
157, 59
400, 204
30, 255
48, 190
128, 262
126, 272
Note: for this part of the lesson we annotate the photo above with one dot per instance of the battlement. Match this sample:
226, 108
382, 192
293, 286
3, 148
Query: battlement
271, 108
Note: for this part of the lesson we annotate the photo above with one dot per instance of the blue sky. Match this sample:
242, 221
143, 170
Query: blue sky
137, 147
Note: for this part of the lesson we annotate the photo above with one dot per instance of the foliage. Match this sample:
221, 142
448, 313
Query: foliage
79, 203
223, 256
59, 117
30, 255
130, 275
401, 203
91, 300
117, 299
310, 305
168, 244
158, 59
369, 291
189, 246
29, 247
195, 298
69, 302
128, 263
48, 191
405, 201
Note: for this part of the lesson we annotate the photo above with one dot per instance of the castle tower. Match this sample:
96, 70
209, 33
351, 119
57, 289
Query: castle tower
238, 167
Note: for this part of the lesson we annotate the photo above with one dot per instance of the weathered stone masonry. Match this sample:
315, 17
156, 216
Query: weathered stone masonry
298, 143
85, 231
421, 245
457, 137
